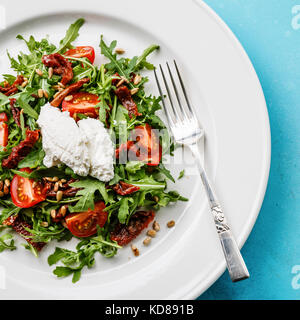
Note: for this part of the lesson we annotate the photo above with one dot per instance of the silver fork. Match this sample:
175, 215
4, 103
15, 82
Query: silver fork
186, 131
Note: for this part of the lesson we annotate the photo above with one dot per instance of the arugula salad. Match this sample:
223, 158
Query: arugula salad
81, 151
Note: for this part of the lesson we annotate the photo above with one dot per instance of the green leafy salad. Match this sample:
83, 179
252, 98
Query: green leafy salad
113, 201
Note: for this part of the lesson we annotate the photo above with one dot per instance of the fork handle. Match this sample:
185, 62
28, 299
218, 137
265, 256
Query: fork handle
235, 263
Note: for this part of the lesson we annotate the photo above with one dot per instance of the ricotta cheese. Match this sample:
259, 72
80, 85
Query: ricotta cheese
84, 147
100, 148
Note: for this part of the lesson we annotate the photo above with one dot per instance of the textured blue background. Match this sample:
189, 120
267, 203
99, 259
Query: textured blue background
270, 34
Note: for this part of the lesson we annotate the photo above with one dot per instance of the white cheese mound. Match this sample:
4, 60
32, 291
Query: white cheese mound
86, 148
100, 147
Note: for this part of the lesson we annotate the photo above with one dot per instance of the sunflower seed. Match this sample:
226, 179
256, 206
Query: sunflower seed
171, 224
137, 79
135, 250
24, 84
156, 226
120, 82
119, 50
134, 91
40, 93
59, 195
68, 98
6, 189
56, 187
50, 72
147, 241
63, 210
39, 72
44, 224
53, 213
151, 233
46, 94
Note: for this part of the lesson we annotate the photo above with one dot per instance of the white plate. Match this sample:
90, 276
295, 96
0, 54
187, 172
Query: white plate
181, 263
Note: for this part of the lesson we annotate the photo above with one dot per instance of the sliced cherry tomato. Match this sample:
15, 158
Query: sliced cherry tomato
82, 102
84, 224
148, 143
23, 193
3, 129
82, 52
3, 116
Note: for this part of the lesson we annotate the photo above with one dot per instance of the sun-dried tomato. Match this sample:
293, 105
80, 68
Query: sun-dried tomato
68, 90
15, 112
20, 151
125, 97
124, 147
122, 188
115, 81
123, 233
8, 90
70, 192
19, 226
60, 65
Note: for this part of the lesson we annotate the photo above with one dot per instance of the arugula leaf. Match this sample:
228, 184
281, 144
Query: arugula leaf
166, 198
108, 52
89, 187
181, 174
9, 211
148, 184
26, 107
76, 276
71, 35
134, 166
75, 261
33, 159
115, 179
31, 248
43, 171
5, 244
46, 234
141, 60
123, 210
166, 172
57, 255
63, 271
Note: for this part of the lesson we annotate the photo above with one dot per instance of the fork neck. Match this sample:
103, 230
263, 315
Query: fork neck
213, 201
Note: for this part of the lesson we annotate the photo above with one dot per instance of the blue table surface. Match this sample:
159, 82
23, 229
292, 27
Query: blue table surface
269, 30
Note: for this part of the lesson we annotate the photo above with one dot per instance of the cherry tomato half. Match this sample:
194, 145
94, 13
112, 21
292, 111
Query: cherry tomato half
3, 129
82, 52
147, 141
82, 102
84, 224
3, 116
23, 194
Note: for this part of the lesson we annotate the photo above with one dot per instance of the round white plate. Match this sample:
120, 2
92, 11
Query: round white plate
184, 261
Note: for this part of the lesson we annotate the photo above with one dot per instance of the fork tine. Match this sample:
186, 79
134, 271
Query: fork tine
169, 94
162, 98
183, 88
176, 92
